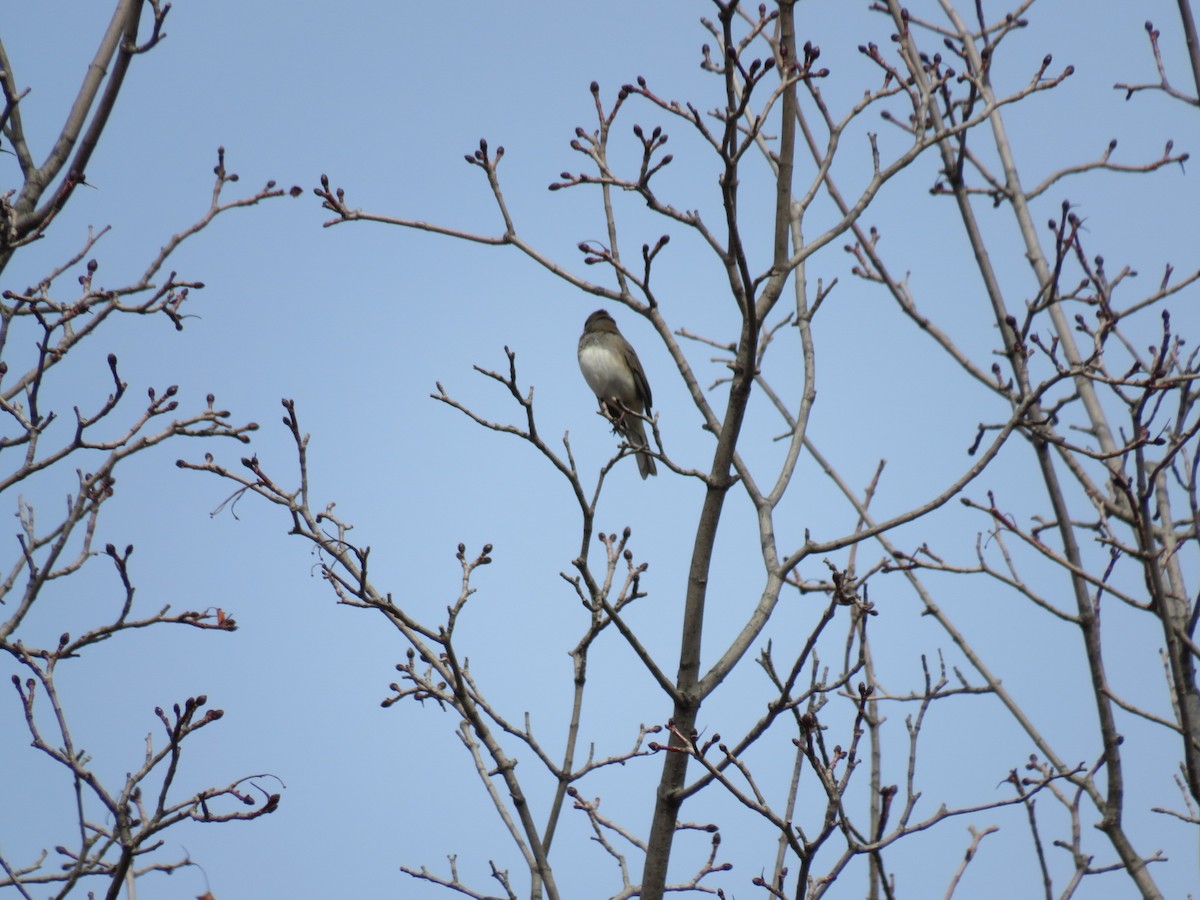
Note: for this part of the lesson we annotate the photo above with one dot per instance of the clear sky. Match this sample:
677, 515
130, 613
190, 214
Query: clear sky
358, 321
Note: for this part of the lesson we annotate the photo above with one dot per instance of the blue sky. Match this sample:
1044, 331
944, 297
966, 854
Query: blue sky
358, 321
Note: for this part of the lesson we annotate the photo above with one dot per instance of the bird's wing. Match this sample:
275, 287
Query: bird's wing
639, 376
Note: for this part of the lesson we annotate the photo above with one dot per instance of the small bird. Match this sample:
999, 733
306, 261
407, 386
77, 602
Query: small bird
613, 372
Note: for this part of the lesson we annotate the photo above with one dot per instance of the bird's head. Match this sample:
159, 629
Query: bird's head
600, 321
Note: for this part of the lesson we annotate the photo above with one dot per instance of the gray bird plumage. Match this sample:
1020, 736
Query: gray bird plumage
614, 373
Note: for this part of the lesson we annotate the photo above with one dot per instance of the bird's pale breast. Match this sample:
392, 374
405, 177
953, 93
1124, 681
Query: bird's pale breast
607, 374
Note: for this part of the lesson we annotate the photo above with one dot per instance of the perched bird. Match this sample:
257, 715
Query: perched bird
612, 370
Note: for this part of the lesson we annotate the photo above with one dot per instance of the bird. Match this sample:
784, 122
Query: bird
614, 373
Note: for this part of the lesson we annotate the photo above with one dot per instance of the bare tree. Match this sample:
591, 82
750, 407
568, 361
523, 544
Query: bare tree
52, 449
1104, 427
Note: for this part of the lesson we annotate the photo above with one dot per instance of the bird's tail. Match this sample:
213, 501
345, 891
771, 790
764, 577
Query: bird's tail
636, 433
